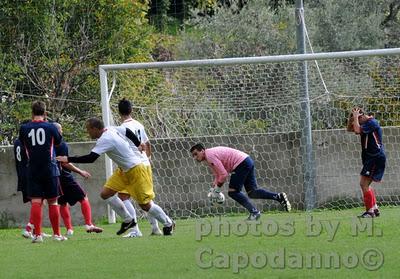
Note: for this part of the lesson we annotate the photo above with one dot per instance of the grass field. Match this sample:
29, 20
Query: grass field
282, 245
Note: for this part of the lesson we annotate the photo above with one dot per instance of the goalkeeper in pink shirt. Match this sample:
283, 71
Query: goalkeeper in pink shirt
224, 161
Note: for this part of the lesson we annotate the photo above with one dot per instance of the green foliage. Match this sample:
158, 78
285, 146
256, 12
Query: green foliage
345, 25
256, 29
51, 49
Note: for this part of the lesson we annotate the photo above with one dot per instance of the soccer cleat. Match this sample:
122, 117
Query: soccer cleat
169, 230
69, 233
37, 239
156, 232
377, 212
46, 235
254, 216
367, 214
27, 234
133, 233
59, 237
93, 228
126, 226
282, 198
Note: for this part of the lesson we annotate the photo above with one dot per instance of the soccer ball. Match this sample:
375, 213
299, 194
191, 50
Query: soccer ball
216, 199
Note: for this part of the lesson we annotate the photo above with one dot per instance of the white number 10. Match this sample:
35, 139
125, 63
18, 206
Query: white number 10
40, 136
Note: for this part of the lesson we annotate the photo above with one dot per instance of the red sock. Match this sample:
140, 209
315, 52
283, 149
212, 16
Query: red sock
30, 217
36, 215
368, 196
373, 196
86, 211
54, 216
66, 216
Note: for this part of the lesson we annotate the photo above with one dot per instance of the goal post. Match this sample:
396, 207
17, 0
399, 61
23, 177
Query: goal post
254, 104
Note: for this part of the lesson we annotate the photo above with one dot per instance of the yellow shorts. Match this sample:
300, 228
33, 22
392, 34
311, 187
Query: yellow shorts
137, 182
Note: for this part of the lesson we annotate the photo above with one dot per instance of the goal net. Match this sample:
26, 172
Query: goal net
289, 113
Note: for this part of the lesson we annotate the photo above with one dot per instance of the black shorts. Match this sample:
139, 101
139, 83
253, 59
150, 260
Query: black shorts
23, 187
374, 167
72, 191
46, 187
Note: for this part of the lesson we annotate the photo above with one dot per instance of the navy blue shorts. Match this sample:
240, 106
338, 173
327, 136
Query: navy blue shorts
374, 167
244, 175
23, 187
46, 187
72, 191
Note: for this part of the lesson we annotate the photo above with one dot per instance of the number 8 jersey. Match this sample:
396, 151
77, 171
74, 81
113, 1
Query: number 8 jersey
39, 139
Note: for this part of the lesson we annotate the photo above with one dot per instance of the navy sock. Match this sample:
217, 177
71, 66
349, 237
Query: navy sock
243, 200
263, 194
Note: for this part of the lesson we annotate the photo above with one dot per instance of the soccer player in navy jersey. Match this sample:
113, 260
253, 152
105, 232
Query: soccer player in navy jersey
40, 138
372, 155
72, 192
21, 162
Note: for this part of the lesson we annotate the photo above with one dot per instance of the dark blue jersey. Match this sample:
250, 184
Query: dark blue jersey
62, 150
371, 139
21, 162
39, 139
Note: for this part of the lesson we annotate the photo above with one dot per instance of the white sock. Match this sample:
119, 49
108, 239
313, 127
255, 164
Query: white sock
153, 222
118, 206
159, 214
131, 209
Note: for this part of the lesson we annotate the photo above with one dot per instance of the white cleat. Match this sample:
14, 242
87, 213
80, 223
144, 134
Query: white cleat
27, 234
156, 232
133, 233
37, 239
59, 238
69, 233
46, 235
93, 228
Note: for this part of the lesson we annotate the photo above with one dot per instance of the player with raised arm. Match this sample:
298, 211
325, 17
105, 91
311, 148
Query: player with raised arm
224, 160
39, 139
131, 175
372, 155
73, 192
125, 111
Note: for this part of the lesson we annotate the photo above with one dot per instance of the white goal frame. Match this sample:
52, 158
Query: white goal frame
106, 92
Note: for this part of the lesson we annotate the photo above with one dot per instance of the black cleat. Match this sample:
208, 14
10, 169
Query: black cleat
282, 198
169, 230
367, 214
126, 226
377, 212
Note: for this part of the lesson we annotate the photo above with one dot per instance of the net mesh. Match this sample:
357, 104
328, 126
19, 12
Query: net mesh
257, 108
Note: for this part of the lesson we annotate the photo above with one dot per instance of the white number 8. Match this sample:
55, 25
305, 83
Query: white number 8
18, 155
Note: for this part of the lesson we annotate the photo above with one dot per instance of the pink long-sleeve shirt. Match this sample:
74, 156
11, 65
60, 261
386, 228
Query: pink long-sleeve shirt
222, 161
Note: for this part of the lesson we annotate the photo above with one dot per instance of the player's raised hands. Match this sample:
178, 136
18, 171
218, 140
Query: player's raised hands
356, 112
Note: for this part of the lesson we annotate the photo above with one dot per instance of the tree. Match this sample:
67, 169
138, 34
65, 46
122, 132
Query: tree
52, 50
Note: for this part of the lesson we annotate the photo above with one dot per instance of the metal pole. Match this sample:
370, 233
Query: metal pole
308, 162
105, 107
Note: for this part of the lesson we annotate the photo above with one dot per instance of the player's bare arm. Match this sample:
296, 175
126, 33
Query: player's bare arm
356, 124
77, 170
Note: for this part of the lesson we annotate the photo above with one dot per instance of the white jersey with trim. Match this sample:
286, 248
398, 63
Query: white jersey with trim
138, 129
115, 144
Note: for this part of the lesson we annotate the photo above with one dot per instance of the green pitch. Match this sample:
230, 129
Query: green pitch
325, 244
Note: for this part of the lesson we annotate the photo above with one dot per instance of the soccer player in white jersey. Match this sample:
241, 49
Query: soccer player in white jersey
131, 175
125, 111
